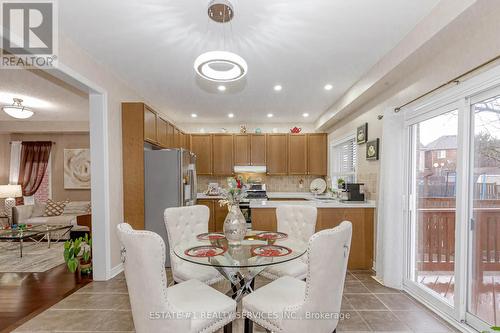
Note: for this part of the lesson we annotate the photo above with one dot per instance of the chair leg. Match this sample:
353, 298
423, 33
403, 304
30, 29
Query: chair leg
228, 328
248, 326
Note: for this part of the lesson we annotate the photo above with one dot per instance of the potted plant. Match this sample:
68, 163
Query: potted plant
341, 183
78, 254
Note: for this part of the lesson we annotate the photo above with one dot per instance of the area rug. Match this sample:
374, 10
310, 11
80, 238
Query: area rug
37, 257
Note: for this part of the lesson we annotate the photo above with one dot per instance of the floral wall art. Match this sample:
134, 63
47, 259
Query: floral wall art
77, 169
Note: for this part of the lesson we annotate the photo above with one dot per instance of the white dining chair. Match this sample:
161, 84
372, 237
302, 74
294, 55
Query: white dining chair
295, 304
158, 308
299, 222
183, 225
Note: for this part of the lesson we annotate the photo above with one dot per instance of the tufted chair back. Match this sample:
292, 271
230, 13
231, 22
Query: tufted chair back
299, 222
183, 224
328, 253
144, 262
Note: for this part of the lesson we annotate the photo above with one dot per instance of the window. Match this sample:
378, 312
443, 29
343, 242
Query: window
442, 154
343, 160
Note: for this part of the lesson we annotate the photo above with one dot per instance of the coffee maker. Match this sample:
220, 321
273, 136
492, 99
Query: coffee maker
355, 192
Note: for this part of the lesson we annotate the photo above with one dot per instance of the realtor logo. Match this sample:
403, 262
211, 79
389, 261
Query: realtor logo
29, 34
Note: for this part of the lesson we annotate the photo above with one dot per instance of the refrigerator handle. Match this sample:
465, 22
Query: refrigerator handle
194, 186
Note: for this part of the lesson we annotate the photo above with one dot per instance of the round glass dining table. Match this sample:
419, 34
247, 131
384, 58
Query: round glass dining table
241, 263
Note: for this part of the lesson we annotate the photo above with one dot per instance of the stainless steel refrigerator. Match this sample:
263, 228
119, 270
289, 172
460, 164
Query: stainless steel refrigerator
170, 181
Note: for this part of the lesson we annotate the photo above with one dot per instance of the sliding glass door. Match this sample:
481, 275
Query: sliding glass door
484, 241
433, 200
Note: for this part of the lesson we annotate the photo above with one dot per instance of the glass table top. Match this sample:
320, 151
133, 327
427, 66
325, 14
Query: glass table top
31, 230
252, 252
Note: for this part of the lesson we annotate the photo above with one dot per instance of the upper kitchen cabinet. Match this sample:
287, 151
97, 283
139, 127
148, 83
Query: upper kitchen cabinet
297, 154
317, 154
177, 138
170, 135
162, 134
241, 149
277, 154
222, 154
257, 149
150, 123
201, 145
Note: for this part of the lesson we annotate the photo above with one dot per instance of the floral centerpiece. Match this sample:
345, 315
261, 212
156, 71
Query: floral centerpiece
235, 226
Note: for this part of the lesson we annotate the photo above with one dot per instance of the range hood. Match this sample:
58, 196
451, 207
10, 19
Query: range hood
250, 169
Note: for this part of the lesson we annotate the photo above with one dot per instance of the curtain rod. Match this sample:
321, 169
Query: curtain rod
455, 80
10, 142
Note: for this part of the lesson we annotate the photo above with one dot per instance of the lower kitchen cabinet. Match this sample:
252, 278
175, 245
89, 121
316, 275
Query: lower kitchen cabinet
361, 254
217, 214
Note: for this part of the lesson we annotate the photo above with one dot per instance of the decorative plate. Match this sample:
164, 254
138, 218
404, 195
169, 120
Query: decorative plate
272, 235
204, 251
210, 236
318, 186
271, 251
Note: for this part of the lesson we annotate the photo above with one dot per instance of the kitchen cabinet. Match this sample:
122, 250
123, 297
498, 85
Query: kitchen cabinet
220, 214
277, 154
222, 154
150, 132
184, 141
362, 219
257, 149
210, 204
170, 135
297, 154
317, 148
241, 149
177, 138
201, 145
162, 133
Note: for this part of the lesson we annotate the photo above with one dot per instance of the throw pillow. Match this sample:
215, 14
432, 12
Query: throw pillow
77, 208
54, 208
38, 209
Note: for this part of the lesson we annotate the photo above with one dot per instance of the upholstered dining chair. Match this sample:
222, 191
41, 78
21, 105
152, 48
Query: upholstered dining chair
299, 222
296, 305
183, 224
158, 308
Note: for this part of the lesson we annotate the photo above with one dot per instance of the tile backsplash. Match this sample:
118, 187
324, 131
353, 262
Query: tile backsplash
273, 183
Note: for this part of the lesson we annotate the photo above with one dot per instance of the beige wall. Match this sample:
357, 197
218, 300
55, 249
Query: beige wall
62, 141
470, 40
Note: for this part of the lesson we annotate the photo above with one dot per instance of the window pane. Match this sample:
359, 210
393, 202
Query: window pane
484, 300
434, 172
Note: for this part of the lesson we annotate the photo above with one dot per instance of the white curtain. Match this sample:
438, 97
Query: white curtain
390, 232
15, 161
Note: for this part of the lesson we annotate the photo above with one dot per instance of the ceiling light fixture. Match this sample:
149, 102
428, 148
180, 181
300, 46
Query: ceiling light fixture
221, 66
328, 87
278, 87
17, 110
231, 115
221, 88
194, 115
270, 115
305, 115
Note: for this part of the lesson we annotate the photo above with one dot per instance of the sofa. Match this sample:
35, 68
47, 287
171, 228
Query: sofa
34, 214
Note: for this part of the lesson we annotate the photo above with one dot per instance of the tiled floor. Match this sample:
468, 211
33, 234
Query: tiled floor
367, 306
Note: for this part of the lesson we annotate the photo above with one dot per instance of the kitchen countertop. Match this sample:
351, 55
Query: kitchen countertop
310, 200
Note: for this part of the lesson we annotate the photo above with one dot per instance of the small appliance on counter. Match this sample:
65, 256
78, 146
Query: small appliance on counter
354, 192
256, 191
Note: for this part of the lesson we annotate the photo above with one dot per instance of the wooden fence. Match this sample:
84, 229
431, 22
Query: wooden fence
436, 234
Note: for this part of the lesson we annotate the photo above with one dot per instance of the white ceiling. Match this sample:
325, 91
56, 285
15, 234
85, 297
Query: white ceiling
301, 45
51, 99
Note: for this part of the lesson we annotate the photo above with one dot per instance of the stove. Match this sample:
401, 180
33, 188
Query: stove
254, 192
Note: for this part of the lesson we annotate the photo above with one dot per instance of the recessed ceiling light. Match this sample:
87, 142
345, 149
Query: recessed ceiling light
278, 87
194, 115
270, 115
221, 88
328, 87
231, 115
305, 115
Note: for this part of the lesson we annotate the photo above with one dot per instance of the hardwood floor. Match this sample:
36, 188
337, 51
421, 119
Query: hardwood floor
24, 295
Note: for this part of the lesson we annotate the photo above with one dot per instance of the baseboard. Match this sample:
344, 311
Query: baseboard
115, 271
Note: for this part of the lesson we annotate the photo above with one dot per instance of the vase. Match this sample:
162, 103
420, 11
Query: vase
235, 226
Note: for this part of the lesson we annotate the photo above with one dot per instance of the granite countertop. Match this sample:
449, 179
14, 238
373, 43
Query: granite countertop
304, 198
